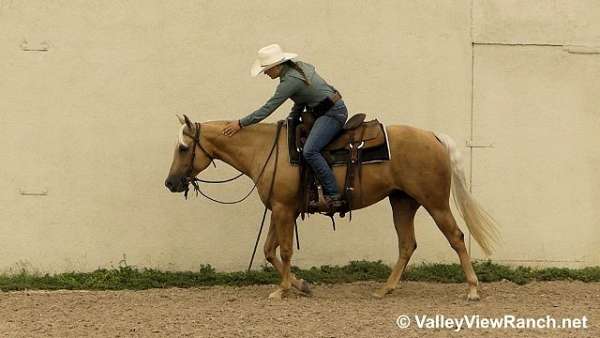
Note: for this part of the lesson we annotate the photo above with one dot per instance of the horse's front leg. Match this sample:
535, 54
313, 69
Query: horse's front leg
283, 217
270, 250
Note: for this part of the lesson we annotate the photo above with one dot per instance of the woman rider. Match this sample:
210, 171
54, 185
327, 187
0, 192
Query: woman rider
300, 82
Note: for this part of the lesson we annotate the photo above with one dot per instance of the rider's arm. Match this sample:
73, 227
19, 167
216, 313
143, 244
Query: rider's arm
286, 88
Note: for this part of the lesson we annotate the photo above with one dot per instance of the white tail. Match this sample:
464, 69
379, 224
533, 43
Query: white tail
481, 225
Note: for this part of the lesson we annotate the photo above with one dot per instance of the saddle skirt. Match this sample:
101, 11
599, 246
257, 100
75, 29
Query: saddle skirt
370, 137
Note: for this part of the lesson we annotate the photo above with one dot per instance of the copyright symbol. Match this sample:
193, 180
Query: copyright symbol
403, 321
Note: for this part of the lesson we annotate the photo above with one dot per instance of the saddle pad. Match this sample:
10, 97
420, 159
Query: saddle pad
340, 156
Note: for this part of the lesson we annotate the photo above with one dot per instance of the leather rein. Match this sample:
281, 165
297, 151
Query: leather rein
194, 180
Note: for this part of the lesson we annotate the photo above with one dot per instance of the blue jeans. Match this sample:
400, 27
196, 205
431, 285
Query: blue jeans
326, 127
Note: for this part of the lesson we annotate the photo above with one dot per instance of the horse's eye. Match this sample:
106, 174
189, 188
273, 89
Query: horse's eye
183, 149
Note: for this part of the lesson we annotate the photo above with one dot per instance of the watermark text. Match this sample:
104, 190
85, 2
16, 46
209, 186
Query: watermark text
508, 321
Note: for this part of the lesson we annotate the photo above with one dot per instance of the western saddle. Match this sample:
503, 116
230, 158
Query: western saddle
358, 138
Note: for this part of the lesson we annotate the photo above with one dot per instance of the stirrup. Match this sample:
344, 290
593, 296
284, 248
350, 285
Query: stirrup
334, 206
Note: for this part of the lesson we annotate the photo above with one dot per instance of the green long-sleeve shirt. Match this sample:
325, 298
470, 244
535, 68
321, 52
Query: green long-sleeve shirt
292, 86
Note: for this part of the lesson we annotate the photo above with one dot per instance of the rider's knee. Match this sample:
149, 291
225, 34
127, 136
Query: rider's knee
309, 153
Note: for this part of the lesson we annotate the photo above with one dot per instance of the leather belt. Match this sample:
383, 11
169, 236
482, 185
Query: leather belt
326, 104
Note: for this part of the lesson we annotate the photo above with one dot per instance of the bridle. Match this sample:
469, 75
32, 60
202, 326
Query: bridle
190, 179
194, 180
196, 139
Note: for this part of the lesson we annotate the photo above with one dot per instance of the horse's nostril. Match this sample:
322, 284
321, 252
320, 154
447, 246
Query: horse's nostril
175, 183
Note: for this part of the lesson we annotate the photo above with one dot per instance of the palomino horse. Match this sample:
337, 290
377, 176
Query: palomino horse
422, 169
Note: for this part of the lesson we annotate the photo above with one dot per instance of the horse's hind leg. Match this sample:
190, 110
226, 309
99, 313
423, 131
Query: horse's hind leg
270, 249
404, 208
447, 224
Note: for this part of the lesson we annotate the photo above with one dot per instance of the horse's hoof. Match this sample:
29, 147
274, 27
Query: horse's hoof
473, 297
305, 288
278, 294
382, 292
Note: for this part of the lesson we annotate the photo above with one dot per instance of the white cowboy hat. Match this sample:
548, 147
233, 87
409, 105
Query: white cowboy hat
268, 57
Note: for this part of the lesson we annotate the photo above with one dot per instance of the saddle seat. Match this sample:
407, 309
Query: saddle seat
355, 133
366, 134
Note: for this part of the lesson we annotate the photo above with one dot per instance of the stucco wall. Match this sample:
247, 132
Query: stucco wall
90, 123
537, 69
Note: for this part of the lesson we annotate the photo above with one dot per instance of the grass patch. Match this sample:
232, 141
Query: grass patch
132, 278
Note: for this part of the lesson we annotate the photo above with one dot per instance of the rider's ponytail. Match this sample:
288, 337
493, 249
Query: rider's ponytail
299, 70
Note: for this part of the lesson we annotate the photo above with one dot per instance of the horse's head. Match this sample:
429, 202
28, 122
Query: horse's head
189, 158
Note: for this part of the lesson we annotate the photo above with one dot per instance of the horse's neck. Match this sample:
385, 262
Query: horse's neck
246, 150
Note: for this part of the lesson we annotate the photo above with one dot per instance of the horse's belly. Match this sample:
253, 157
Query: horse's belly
374, 183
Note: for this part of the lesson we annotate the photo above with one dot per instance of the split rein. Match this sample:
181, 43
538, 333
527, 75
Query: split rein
194, 181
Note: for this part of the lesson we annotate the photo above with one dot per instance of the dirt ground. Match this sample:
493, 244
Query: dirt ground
343, 310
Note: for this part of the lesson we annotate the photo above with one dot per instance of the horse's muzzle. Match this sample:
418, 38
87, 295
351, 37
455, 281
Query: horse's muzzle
176, 183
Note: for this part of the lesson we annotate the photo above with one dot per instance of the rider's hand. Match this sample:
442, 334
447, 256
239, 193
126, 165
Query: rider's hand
232, 128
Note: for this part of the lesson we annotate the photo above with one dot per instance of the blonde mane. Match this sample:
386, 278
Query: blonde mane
181, 141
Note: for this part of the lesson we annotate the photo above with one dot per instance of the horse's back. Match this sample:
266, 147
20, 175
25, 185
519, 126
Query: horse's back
419, 160
408, 139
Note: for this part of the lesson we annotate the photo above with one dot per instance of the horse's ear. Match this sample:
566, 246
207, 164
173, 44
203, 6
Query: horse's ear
187, 121
181, 120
